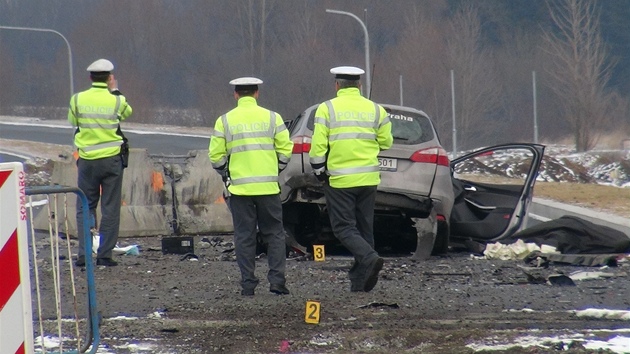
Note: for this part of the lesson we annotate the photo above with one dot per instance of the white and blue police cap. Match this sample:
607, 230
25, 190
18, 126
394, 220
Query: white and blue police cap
347, 72
246, 83
100, 66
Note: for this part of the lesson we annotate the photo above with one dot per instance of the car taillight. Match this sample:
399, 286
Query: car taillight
435, 155
301, 144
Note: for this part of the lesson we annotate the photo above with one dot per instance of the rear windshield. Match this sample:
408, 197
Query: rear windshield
410, 128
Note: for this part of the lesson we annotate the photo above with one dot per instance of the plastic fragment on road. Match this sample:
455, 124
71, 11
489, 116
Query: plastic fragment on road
380, 304
582, 275
514, 251
285, 346
560, 280
131, 250
190, 256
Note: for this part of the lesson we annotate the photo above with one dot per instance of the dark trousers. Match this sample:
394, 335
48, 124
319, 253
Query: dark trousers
101, 179
264, 211
351, 212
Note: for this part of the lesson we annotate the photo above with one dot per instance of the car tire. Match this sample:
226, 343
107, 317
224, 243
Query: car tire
442, 239
261, 246
302, 224
291, 241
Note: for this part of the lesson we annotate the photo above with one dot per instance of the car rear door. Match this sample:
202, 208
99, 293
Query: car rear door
493, 190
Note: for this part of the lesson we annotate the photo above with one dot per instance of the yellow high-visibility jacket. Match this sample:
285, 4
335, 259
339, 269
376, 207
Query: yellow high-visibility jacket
97, 113
350, 130
253, 144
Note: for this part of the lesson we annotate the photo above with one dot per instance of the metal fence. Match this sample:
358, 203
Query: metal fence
65, 316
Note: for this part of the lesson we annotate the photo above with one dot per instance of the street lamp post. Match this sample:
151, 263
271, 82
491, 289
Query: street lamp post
453, 108
535, 108
367, 47
57, 33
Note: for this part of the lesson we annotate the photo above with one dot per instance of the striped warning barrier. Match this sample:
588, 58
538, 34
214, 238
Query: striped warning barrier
16, 326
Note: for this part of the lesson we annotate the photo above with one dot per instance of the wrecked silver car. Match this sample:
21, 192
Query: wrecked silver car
419, 188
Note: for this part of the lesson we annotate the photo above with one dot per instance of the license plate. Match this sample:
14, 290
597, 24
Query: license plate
387, 164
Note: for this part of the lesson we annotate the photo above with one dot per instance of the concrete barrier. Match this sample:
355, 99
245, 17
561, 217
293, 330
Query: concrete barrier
159, 197
200, 206
146, 197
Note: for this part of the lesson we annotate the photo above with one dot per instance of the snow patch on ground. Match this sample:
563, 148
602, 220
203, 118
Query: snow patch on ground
591, 339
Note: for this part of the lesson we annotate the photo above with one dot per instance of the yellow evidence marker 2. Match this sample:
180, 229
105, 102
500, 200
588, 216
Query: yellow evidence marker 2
318, 253
312, 312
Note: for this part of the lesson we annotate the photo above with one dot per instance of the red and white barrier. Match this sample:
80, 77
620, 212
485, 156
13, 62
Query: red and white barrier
16, 321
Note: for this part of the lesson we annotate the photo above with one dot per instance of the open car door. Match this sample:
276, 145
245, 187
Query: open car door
493, 189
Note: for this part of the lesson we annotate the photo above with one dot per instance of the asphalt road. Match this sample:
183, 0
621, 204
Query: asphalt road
157, 143
10, 158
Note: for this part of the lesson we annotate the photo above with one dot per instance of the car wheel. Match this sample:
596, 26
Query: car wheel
442, 239
302, 224
292, 243
400, 238
261, 246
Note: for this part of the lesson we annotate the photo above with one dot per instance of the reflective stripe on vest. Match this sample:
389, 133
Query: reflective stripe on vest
219, 163
351, 123
257, 179
102, 145
318, 159
385, 121
229, 137
349, 136
80, 115
250, 147
345, 136
353, 170
110, 126
283, 159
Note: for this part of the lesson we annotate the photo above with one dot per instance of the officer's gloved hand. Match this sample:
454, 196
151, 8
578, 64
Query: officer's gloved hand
320, 174
224, 174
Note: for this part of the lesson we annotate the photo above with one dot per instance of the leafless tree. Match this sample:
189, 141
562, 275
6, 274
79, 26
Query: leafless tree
516, 104
298, 61
580, 68
420, 60
476, 93
254, 16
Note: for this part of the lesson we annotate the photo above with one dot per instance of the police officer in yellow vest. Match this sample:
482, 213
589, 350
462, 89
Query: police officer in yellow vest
350, 130
249, 146
96, 114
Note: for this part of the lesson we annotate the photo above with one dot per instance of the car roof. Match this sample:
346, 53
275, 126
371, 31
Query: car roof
404, 108
387, 106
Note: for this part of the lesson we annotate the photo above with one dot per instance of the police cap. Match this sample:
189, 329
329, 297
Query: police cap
246, 83
101, 65
347, 72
